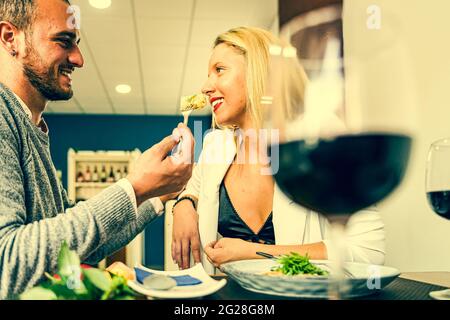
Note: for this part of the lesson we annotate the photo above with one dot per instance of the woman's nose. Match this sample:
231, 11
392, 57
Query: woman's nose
208, 87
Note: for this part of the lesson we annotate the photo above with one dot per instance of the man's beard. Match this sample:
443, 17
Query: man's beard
46, 82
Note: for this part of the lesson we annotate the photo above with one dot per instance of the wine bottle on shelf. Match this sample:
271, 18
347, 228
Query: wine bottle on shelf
125, 172
95, 175
118, 174
111, 175
87, 175
80, 176
103, 174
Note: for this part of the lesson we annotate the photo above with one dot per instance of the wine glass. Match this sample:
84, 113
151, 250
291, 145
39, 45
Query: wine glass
345, 121
437, 187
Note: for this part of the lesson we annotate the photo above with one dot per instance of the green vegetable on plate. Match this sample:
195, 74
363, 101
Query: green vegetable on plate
295, 264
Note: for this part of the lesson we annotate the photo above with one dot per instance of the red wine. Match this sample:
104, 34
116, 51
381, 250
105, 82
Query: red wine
344, 175
440, 202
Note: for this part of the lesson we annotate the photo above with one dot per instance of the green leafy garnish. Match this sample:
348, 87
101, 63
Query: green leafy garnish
295, 264
79, 282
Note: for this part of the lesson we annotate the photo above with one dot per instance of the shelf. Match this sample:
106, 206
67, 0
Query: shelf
97, 158
82, 191
93, 184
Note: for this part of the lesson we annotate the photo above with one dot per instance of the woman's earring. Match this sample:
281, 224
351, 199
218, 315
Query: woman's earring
14, 53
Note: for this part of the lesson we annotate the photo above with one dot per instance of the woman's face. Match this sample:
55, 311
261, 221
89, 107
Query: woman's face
226, 86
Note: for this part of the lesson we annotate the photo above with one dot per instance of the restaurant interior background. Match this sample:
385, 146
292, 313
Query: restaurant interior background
161, 50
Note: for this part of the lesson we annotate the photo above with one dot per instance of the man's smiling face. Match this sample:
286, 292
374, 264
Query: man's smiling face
52, 51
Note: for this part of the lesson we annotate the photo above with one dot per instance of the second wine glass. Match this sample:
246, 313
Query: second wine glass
437, 187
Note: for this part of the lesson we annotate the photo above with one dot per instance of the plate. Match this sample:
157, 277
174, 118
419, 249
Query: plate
208, 285
363, 279
440, 294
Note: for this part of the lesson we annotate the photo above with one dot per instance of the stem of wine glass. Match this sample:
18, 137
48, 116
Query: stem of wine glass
338, 287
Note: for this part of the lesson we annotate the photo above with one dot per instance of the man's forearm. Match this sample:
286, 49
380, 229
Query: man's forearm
146, 214
29, 250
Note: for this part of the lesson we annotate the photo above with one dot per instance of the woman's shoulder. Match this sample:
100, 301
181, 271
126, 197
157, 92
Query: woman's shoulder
216, 133
218, 146
217, 137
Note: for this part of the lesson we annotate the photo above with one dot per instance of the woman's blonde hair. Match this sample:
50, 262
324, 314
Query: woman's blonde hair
254, 44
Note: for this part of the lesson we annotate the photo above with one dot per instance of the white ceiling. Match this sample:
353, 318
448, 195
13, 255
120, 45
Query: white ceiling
160, 48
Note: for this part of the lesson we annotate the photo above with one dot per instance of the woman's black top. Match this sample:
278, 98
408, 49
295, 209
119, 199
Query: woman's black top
232, 226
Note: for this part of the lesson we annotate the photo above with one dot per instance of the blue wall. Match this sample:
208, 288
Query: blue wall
117, 132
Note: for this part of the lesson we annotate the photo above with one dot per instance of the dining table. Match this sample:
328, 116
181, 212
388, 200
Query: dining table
233, 300
407, 286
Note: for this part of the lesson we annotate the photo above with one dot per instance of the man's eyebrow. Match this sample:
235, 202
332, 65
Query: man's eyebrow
72, 35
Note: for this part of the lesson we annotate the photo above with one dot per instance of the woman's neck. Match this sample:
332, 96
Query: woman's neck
251, 148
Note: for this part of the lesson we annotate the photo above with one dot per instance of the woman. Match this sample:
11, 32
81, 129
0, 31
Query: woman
229, 208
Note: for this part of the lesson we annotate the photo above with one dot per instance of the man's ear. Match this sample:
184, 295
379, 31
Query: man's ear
8, 37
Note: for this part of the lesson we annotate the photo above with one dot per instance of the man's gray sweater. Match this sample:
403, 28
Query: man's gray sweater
35, 214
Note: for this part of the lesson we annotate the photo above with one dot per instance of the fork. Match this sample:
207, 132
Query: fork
186, 115
266, 255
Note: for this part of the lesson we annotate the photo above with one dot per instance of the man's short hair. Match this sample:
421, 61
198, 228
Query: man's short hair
20, 13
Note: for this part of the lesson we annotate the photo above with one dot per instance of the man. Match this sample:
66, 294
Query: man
38, 53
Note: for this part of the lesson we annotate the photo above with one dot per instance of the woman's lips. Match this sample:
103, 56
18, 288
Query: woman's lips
217, 106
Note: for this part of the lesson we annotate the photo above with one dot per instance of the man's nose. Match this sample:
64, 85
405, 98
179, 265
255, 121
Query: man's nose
76, 58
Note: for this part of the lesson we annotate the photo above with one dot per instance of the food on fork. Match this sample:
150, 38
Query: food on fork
193, 102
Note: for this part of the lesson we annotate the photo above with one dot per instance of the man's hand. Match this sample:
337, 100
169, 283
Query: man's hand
156, 173
185, 235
